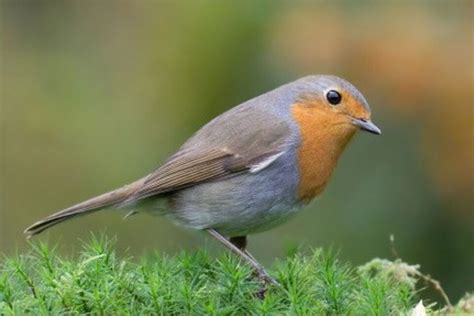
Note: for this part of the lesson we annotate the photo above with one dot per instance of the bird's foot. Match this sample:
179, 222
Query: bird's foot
266, 282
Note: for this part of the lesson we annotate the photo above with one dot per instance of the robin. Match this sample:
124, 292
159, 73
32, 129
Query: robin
250, 168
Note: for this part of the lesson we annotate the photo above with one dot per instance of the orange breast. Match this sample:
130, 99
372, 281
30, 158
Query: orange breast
324, 135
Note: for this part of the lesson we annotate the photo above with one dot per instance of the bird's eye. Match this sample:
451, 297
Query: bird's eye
333, 97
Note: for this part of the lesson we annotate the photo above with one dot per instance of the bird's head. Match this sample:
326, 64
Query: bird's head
335, 104
328, 112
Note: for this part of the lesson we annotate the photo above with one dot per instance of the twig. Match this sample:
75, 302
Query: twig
437, 286
427, 278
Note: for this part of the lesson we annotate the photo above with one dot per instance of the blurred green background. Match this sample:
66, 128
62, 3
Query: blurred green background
97, 94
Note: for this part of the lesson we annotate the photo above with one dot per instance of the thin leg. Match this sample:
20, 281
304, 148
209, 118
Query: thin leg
241, 243
250, 255
258, 268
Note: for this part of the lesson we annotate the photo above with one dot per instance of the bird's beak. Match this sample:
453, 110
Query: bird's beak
366, 125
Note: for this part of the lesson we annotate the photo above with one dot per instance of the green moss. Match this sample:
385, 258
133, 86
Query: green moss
100, 282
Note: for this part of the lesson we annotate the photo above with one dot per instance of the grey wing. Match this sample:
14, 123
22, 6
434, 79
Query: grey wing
212, 156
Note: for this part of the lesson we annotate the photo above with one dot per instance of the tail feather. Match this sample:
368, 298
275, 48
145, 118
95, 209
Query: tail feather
95, 204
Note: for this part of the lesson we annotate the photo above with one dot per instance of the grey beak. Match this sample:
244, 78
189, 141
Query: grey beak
366, 126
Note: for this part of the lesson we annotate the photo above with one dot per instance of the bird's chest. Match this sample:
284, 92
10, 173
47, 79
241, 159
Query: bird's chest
321, 144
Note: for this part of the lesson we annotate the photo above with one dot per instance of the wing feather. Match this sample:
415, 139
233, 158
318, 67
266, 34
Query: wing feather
188, 169
246, 150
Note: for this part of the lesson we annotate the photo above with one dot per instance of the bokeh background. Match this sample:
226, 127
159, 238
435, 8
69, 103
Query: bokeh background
97, 94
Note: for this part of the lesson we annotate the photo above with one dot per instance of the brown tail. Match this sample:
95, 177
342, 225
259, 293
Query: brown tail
92, 205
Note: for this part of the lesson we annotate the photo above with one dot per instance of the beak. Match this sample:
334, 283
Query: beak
366, 125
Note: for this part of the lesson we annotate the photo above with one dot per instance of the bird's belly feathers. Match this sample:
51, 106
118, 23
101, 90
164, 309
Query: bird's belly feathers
240, 205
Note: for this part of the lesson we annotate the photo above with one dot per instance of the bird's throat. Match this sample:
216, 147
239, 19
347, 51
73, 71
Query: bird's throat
323, 137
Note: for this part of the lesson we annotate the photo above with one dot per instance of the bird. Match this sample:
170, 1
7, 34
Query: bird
249, 169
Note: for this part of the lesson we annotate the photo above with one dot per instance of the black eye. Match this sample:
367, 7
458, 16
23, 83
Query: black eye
333, 97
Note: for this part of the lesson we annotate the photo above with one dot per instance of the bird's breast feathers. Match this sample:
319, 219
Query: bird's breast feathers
321, 144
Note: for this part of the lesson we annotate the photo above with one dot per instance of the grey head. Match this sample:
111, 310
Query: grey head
317, 86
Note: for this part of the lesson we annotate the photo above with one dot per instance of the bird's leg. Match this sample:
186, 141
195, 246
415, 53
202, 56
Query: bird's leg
241, 243
262, 274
